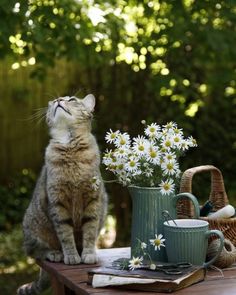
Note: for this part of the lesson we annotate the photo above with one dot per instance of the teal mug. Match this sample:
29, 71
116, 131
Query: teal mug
187, 240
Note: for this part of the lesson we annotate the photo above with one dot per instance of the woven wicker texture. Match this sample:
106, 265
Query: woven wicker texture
218, 197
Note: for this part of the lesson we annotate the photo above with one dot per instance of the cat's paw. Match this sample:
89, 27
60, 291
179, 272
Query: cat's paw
89, 257
54, 256
72, 259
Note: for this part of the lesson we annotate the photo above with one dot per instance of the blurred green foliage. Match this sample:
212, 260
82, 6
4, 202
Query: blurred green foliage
15, 268
14, 198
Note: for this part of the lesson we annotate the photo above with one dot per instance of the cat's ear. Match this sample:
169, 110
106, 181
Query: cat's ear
89, 102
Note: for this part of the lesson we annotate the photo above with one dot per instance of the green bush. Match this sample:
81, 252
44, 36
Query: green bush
14, 198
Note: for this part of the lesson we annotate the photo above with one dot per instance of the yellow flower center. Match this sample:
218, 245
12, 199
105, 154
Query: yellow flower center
167, 143
122, 141
166, 186
141, 148
157, 242
132, 164
170, 166
177, 131
153, 154
163, 150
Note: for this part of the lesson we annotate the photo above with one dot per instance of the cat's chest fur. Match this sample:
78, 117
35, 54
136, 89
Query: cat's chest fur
75, 162
72, 167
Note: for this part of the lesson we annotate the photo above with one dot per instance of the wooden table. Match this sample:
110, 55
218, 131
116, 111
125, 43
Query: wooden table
72, 279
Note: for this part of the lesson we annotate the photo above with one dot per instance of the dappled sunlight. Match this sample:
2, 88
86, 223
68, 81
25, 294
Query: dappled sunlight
20, 266
193, 108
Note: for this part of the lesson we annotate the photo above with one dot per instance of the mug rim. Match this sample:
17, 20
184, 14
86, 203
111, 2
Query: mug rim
144, 187
181, 223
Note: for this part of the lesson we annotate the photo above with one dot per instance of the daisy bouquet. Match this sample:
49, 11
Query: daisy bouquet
148, 160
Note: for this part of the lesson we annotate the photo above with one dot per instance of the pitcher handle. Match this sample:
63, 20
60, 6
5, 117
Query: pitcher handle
192, 198
221, 237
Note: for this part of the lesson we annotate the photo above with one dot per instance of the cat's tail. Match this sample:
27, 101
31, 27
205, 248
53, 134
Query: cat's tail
37, 286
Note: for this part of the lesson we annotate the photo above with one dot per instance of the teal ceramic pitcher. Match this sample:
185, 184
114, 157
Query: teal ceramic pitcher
147, 207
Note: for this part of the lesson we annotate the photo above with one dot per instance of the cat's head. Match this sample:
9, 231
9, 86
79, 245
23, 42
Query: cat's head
69, 110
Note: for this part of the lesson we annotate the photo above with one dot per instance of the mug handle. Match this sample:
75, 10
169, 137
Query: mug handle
221, 237
192, 198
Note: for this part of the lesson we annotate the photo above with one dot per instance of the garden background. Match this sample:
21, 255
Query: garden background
150, 60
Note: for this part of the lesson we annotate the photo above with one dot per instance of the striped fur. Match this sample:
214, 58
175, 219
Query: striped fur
66, 213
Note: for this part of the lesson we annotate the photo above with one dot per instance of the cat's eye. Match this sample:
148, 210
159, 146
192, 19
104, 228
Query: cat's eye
72, 99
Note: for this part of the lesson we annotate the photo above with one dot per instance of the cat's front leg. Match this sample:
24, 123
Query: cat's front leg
63, 225
90, 223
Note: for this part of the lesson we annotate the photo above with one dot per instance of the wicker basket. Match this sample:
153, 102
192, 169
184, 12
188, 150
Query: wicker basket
218, 197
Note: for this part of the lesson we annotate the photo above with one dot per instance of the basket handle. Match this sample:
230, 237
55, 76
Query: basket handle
218, 196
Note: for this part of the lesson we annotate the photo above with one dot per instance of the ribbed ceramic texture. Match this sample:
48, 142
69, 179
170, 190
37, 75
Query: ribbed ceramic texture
147, 220
186, 244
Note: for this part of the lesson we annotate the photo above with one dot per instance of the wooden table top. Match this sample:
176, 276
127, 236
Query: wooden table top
75, 277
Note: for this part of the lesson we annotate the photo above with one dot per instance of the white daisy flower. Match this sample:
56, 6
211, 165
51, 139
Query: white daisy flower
107, 158
122, 152
152, 130
169, 156
184, 145
95, 183
170, 125
158, 242
177, 140
178, 131
170, 167
192, 142
148, 171
122, 140
167, 143
135, 262
153, 154
140, 145
143, 245
167, 187
120, 166
124, 178
111, 136
132, 164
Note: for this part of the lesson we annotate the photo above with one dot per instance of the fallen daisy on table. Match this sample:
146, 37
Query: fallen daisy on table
158, 242
135, 262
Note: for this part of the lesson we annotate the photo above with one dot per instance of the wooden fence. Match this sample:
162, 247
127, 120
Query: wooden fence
23, 140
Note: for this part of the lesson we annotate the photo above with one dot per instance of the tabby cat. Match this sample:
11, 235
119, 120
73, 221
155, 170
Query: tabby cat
69, 202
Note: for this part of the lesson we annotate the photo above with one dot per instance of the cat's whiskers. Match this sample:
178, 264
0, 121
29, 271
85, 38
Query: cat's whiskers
38, 116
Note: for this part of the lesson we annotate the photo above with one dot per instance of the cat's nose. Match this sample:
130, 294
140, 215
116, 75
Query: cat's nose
59, 100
